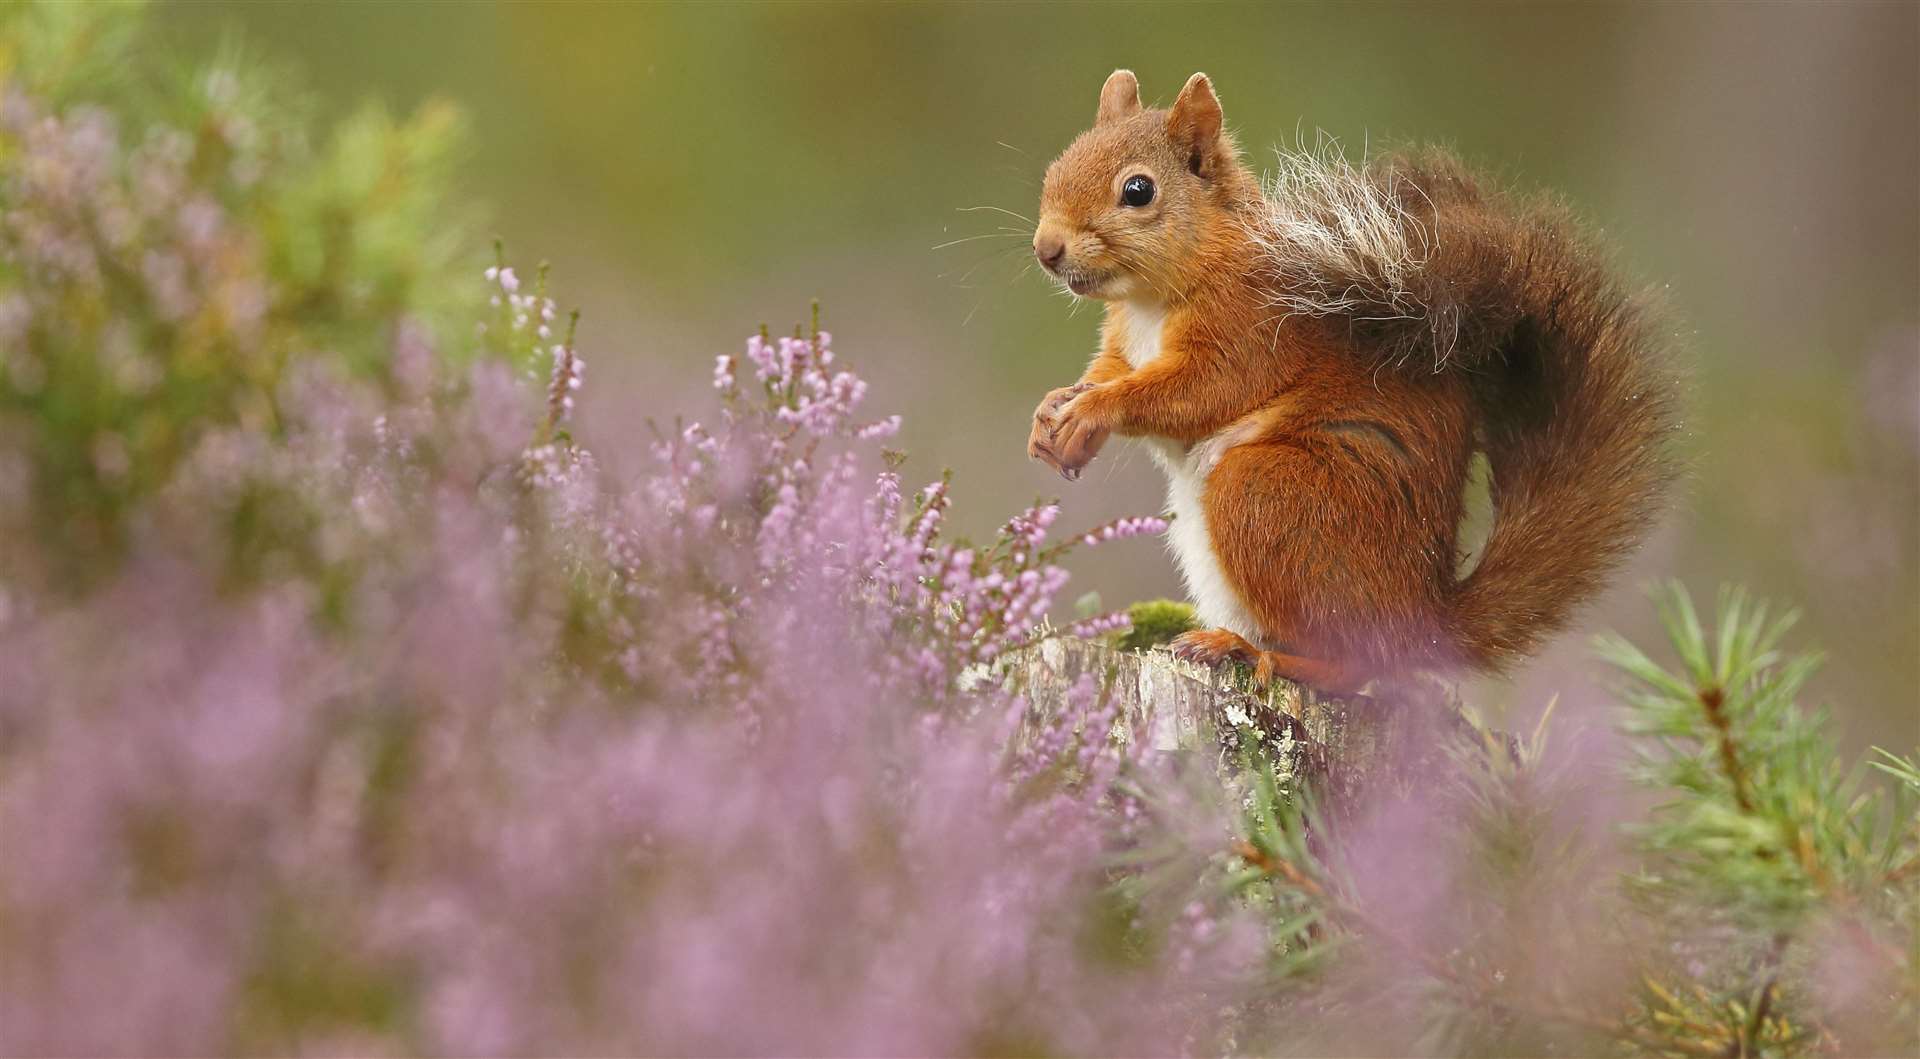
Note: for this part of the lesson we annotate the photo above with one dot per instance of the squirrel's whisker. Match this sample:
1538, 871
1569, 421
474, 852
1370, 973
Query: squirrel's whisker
975, 239
997, 209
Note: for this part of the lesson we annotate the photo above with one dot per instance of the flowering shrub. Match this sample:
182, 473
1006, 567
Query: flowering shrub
382, 719
161, 279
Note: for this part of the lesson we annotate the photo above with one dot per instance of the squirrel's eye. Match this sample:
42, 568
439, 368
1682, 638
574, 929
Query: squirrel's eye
1137, 191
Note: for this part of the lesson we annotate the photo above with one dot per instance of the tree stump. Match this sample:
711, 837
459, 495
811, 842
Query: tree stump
1345, 744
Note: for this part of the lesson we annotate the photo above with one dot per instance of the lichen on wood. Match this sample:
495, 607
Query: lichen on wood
1176, 705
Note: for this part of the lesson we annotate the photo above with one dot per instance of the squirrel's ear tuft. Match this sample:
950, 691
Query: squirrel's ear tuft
1119, 97
1194, 125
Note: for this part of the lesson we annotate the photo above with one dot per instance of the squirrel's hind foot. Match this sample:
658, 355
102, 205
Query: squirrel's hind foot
1211, 647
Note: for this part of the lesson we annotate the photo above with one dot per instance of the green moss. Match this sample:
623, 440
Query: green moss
1156, 621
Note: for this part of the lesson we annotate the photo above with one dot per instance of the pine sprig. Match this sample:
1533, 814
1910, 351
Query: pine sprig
1765, 859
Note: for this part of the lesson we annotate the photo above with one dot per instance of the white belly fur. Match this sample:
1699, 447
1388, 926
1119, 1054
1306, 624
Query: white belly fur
1214, 598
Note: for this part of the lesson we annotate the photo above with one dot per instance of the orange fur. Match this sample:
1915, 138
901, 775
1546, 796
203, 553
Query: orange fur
1335, 459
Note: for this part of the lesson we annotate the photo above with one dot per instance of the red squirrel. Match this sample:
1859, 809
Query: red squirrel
1314, 363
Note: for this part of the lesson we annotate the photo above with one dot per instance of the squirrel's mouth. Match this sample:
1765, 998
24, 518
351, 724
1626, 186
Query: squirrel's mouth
1083, 283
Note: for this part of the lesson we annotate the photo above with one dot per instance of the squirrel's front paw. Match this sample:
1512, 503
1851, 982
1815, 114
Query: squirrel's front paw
1040, 440
1079, 428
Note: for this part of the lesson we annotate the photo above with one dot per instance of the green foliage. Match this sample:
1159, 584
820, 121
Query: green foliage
1157, 621
189, 242
1796, 864
1282, 872
1770, 904
308, 982
59, 51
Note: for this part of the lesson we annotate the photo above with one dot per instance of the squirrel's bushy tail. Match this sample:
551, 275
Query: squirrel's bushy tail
1572, 371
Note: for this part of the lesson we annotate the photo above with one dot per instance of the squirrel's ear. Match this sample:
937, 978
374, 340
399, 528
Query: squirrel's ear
1194, 125
1119, 97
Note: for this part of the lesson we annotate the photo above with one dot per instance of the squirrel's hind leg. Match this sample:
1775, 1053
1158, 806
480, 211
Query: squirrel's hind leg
1330, 551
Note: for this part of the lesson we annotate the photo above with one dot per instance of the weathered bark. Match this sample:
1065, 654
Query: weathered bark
1176, 705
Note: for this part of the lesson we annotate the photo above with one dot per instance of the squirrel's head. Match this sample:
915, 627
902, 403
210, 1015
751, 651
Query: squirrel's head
1135, 195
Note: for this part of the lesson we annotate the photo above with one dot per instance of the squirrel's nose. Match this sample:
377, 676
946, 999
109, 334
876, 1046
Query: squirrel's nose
1050, 249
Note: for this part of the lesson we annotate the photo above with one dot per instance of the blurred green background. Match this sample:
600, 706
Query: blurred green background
694, 170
